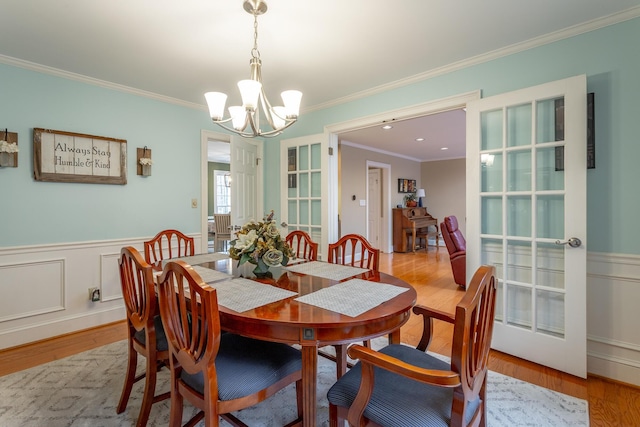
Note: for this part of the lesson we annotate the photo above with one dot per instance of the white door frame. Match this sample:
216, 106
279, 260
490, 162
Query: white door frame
424, 109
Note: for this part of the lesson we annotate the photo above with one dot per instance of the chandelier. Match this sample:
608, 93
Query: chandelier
245, 119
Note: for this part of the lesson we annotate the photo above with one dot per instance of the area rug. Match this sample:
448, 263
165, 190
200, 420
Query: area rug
84, 389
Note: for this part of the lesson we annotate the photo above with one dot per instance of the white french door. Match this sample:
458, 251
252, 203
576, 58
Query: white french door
526, 201
305, 199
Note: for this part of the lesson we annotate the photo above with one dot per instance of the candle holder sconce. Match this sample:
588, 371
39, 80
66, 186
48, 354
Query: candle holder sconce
8, 149
144, 161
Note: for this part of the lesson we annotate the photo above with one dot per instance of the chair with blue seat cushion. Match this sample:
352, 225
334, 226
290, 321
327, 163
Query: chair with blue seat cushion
405, 386
168, 244
217, 373
145, 332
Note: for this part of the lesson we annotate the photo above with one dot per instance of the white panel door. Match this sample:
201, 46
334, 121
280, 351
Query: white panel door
244, 182
526, 197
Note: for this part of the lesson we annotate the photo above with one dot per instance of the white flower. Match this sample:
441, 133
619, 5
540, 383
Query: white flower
144, 161
8, 147
245, 241
273, 257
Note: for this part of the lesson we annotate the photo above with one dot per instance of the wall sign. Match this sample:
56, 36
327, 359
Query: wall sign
73, 157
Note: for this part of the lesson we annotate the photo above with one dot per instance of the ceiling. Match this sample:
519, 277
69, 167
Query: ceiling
331, 50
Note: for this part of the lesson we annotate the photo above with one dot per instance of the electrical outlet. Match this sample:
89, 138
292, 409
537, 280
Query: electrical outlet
194, 203
94, 294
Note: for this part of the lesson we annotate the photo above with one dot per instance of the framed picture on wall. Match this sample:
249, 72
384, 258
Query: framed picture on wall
406, 185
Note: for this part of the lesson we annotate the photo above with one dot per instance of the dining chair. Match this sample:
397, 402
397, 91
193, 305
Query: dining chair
145, 334
405, 386
217, 373
302, 245
223, 229
356, 251
167, 244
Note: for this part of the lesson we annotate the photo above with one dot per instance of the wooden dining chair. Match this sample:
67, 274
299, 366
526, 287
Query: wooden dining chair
145, 334
217, 373
356, 251
167, 244
223, 229
302, 245
405, 386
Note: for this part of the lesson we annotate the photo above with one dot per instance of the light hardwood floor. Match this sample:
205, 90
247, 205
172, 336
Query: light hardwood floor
610, 403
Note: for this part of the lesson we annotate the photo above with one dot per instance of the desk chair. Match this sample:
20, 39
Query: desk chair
144, 329
217, 373
302, 245
167, 244
413, 388
223, 229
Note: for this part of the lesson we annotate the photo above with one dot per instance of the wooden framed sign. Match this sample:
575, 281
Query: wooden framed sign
73, 157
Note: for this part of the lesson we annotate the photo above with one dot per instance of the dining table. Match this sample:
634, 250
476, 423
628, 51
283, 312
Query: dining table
310, 304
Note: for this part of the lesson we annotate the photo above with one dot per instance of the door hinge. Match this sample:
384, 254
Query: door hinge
331, 151
257, 161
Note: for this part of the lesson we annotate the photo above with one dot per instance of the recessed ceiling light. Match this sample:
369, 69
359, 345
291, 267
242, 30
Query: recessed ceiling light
387, 127
444, 148
419, 139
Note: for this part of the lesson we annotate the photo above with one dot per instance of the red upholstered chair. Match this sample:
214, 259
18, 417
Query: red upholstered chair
457, 247
302, 245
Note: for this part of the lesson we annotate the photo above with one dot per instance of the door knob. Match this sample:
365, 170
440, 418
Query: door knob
574, 242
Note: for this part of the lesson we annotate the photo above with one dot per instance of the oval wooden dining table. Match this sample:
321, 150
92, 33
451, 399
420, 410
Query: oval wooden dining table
311, 327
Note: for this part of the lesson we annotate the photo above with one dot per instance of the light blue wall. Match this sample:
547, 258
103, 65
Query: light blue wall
33, 212
610, 58
40, 212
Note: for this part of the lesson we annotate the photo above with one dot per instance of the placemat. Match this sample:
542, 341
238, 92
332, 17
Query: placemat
326, 270
242, 294
352, 297
198, 259
209, 275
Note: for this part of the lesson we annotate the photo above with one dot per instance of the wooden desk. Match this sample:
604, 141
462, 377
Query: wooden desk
292, 322
407, 221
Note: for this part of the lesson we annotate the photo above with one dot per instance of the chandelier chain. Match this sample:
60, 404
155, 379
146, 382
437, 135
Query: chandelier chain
255, 53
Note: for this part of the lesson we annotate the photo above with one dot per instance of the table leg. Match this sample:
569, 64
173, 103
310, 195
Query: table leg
309, 380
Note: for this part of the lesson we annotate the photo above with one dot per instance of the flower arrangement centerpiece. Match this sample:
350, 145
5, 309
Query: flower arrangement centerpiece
260, 244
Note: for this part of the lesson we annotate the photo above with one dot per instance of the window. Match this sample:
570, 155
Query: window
221, 191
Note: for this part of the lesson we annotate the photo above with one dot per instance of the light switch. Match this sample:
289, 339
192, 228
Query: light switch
363, 203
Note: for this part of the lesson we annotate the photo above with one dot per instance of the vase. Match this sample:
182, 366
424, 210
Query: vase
262, 271
7, 159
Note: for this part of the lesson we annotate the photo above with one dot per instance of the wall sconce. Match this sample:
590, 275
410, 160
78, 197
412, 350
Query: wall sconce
144, 161
420, 194
9, 150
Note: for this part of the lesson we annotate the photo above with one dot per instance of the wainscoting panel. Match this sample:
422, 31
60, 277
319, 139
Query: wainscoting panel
44, 288
613, 332
31, 288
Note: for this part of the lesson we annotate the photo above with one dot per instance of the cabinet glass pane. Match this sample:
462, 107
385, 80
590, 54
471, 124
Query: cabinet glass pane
550, 313
316, 158
316, 184
547, 177
519, 170
550, 120
491, 215
292, 211
304, 212
550, 222
519, 306
491, 123
519, 216
491, 254
519, 125
303, 158
304, 184
491, 172
316, 212
519, 261
550, 262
